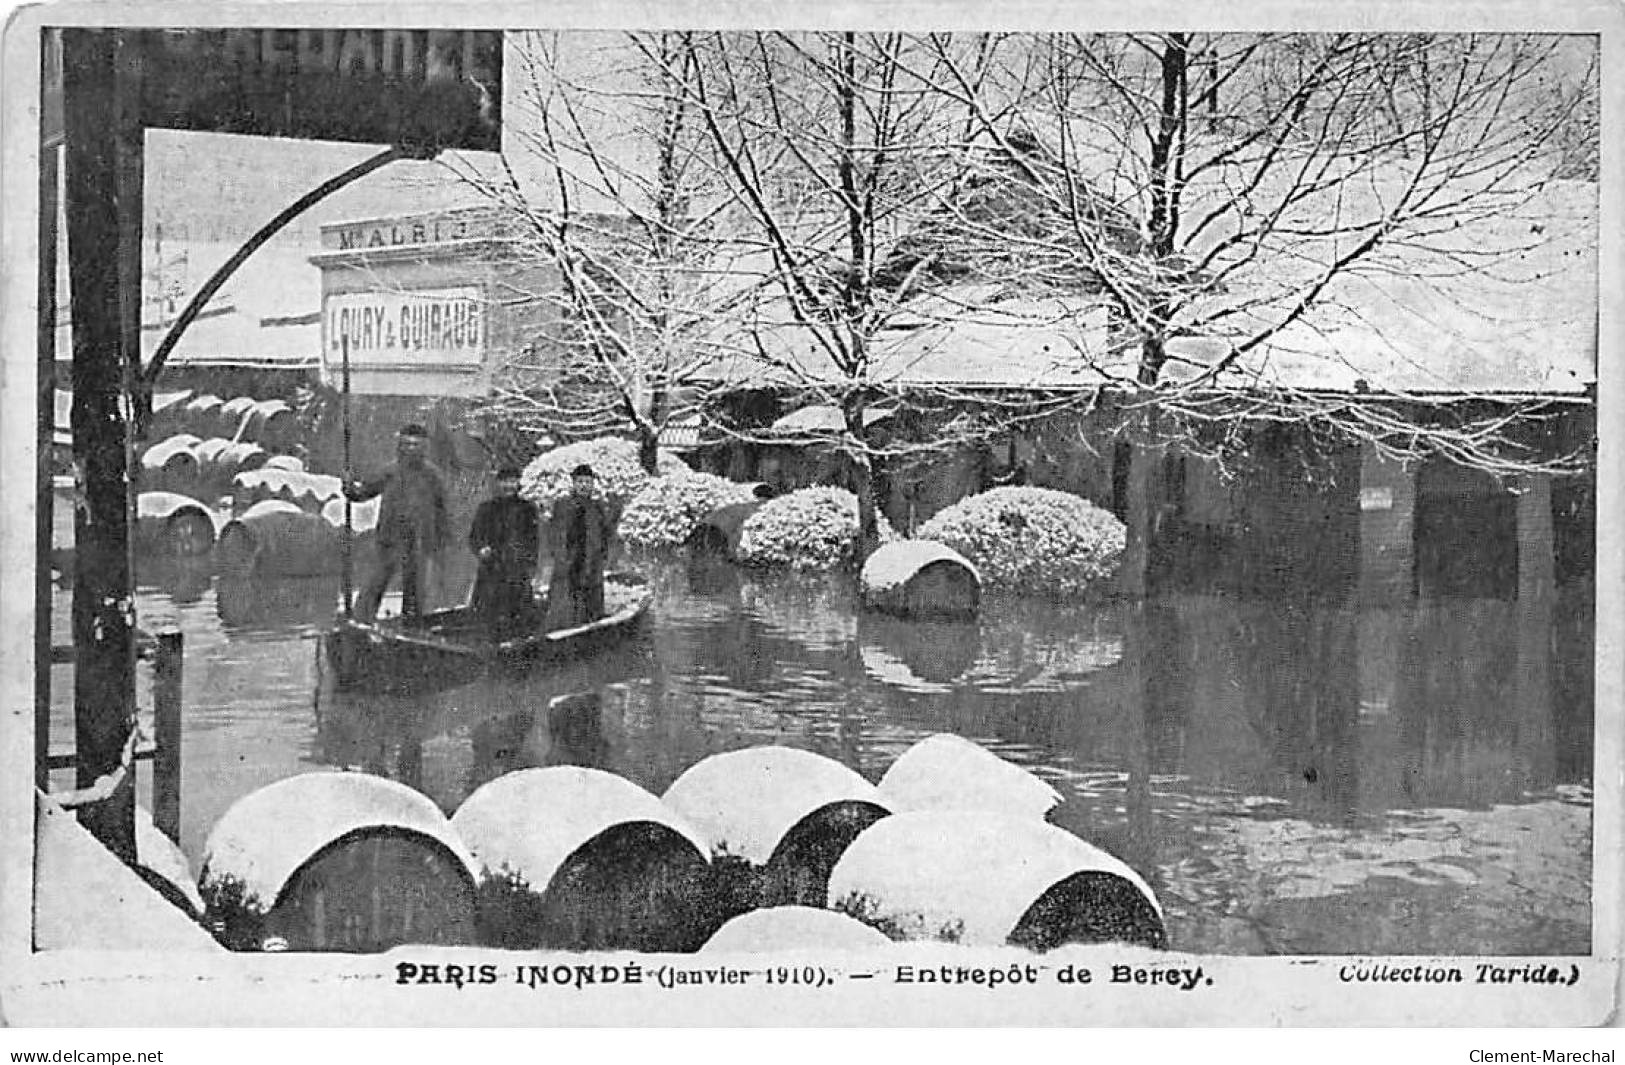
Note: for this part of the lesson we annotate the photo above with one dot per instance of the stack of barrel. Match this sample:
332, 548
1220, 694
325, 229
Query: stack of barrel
229, 461
762, 848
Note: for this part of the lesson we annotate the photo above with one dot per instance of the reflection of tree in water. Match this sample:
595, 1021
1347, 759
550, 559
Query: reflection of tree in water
575, 731
1035, 646
818, 613
379, 734
1474, 703
498, 748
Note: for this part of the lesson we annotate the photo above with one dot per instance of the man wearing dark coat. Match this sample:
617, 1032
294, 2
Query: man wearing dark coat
411, 523
506, 537
579, 534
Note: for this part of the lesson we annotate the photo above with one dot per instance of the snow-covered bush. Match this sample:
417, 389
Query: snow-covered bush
667, 509
613, 460
809, 529
1035, 541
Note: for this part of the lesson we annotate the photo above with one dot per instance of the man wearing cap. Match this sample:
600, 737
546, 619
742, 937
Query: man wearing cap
579, 534
505, 536
411, 523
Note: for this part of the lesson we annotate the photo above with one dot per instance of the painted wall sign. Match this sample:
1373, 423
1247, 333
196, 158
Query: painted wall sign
418, 88
411, 230
430, 329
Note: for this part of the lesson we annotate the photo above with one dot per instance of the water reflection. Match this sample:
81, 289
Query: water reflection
1289, 777
923, 656
250, 603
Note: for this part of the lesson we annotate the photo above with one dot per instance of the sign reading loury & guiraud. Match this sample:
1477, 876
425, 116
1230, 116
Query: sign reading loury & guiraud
431, 329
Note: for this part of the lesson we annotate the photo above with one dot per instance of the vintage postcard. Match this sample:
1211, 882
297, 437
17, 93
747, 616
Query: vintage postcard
941, 515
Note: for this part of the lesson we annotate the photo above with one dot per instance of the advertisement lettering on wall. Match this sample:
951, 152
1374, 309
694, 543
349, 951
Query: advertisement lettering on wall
430, 329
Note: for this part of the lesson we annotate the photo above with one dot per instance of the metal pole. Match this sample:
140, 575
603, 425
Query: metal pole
167, 670
349, 476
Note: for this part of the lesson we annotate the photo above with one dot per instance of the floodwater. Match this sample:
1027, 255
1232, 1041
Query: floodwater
1290, 778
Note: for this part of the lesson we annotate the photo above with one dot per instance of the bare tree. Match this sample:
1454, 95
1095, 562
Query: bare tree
832, 150
1247, 206
604, 181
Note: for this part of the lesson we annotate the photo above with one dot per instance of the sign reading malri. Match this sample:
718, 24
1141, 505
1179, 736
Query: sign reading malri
427, 89
429, 329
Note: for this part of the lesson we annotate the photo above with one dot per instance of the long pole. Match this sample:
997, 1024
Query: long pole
349, 476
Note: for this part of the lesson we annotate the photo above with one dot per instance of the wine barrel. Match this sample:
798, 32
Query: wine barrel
209, 448
984, 879
275, 538
168, 414
201, 416
363, 516
921, 579
573, 858
337, 862
718, 532
171, 465
787, 813
272, 424
234, 415
173, 524
787, 928
240, 457
308, 491
949, 772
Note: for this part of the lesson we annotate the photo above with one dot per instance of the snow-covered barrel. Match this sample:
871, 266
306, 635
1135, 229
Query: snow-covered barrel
337, 862
240, 457
363, 516
201, 416
787, 928
985, 879
234, 416
220, 460
787, 814
168, 414
173, 524
948, 772
272, 424
275, 538
308, 491
921, 579
718, 532
572, 858
171, 465
208, 450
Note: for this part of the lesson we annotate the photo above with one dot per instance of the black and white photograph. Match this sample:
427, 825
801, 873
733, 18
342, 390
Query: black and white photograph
931, 516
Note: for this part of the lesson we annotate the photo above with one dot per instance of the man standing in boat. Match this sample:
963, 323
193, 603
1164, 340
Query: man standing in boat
411, 523
579, 533
505, 536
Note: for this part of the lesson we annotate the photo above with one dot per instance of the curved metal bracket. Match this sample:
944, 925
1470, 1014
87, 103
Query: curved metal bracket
194, 307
